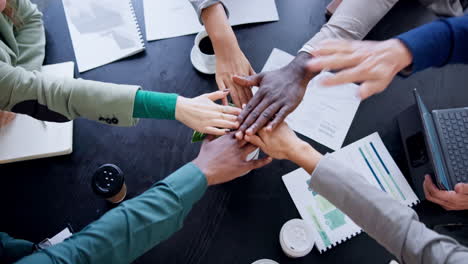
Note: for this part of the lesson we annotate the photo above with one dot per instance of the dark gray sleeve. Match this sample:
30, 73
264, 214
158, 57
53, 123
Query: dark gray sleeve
199, 5
392, 224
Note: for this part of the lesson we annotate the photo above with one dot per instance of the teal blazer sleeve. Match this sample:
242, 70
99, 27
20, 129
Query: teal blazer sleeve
134, 227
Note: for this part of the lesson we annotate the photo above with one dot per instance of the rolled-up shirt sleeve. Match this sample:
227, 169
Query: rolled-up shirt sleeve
392, 224
199, 5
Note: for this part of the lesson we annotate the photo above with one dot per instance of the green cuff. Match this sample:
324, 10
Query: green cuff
189, 183
154, 105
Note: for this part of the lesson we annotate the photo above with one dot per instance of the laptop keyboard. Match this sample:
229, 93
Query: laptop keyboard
454, 127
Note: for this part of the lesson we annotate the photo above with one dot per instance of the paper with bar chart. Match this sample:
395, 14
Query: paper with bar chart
371, 159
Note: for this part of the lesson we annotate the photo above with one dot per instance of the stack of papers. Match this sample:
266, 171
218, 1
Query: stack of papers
370, 158
325, 113
102, 31
174, 18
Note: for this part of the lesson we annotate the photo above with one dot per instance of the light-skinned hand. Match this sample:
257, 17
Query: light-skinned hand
279, 93
230, 60
282, 143
224, 159
6, 118
374, 64
204, 115
449, 200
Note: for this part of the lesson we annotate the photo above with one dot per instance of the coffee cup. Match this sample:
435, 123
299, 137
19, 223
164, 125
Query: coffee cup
202, 55
109, 183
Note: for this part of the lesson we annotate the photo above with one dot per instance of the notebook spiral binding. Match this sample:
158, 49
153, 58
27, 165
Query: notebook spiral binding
140, 36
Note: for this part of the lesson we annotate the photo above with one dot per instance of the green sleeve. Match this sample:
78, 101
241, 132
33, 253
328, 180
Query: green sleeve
134, 227
30, 36
13, 249
154, 105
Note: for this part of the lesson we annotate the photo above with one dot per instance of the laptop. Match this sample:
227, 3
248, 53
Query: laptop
446, 140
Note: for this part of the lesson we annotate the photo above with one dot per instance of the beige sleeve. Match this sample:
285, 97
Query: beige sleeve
353, 19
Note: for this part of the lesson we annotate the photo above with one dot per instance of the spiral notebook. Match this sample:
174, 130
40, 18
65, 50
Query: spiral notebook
371, 159
102, 31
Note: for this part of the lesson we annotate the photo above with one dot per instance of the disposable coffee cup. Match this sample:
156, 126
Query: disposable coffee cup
202, 55
109, 183
296, 238
265, 261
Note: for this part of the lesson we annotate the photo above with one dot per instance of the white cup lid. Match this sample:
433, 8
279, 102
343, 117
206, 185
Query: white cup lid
296, 238
265, 261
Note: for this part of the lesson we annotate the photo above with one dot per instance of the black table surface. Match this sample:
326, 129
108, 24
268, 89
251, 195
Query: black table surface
238, 222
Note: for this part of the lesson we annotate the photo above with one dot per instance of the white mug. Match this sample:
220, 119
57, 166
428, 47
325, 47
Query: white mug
204, 63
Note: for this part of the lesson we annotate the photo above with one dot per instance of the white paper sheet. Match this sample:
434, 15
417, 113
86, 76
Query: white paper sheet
60, 237
27, 138
370, 158
325, 113
174, 18
102, 31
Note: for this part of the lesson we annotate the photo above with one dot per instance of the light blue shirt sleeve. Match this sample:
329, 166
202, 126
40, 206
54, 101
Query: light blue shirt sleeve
137, 225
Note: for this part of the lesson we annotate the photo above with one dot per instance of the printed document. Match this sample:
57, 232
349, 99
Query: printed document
102, 31
174, 18
368, 157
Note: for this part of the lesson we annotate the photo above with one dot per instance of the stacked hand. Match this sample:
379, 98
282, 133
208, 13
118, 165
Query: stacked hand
231, 62
224, 159
374, 64
204, 115
279, 93
282, 143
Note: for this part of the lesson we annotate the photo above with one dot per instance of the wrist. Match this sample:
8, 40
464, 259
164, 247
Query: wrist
305, 156
202, 166
180, 107
298, 68
399, 49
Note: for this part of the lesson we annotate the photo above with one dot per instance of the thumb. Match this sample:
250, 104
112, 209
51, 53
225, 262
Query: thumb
365, 91
255, 164
253, 80
217, 95
461, 188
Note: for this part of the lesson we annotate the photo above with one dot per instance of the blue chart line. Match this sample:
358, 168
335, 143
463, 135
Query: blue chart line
372, 170
388, 172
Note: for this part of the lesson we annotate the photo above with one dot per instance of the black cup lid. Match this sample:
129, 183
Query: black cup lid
107, 180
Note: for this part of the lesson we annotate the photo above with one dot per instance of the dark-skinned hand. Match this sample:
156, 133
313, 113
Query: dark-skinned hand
279, 93
223, 159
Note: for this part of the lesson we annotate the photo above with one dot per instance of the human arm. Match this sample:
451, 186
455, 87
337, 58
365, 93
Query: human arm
139, 224
30, 36
281, 91
375, 64
392, 224
352, 20
59, 99
230, 60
